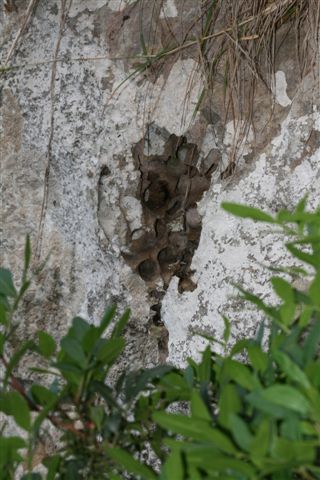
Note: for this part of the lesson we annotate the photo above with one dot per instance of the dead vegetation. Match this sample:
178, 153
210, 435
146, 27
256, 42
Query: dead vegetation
235, 45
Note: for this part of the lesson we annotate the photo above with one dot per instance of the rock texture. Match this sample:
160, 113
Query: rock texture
71, 177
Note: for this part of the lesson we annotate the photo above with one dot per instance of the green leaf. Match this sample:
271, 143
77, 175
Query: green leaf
247, 212
205, 366
42, 395
229, 403
241, 433
314, 289
52, 464
74, 350
287, 314
288, 397
12, 403
227, 329
261, 441
250, 297
79, 329
313, 260
173, 467
9, 455
311, 343
109, 350
47, 345
204, 458
240, 374
2, 342
196, 429
96, 415
258, 358
291, 369
136, 382
107, 319
45, 412
293, 451
27, 258
130, 464
3, 316
258, 401
283, 289
198, 407
6, 283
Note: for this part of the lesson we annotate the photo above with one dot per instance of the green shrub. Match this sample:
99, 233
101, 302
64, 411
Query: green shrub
257, 418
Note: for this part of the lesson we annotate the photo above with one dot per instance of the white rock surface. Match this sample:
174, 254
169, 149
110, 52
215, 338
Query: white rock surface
75, 123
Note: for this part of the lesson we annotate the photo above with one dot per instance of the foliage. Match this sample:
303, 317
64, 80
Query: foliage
257, 418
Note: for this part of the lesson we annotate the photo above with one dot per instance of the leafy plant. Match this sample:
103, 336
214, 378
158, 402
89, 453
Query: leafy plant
220, 418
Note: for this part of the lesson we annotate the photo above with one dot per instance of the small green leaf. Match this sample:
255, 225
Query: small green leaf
258, 401
198, 407
74, 350
79, 328
311, 343
107, 319
47, 345
261, 442
6, 283
27, 258
247, 212
109, 350
291, 369
205, 366
12, 403
136, 382
240, 431
283, 289
227, 329
173, 467
52, 464
258, 358
9, 447
42, 395
240, 374
96, 415
313, 260
3, 316
130, 464
229, 403
196, 429
293, 451
314, 289
288, 397
204, 458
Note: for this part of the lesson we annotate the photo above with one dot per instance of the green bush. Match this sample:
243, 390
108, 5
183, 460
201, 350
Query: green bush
258, 418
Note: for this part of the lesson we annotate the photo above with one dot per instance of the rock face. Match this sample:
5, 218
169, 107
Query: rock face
123, 186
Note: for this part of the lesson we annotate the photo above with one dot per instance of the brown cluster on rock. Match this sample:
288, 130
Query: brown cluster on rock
170, 186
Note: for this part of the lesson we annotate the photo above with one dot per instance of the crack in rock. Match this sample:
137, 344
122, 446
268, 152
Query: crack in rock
171, 183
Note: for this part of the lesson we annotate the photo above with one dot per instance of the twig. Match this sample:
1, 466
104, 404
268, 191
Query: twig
18, 386
49, 148
29, 11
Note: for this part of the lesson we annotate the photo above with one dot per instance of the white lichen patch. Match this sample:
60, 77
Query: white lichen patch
169, 9
232, 250
280, 89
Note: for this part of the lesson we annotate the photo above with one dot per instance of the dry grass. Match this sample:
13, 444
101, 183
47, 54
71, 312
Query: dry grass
235, 43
